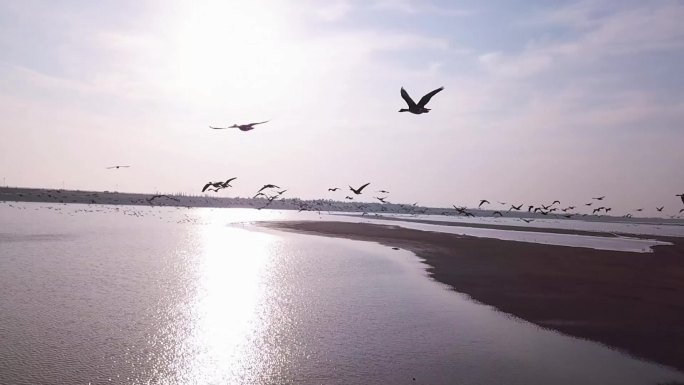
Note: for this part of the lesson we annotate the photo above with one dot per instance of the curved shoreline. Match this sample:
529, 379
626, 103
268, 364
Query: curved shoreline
630, 301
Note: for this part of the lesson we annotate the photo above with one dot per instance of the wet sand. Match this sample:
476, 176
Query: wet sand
630, 301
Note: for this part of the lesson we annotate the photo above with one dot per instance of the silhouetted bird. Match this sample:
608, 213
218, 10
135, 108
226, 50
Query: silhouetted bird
482, 201
497, 212
517, 208
681, 196
333, 189
226, 184
529, 208
381, 199
358, 190
526, 220
554, 202
117, 167
348, 197
599, 198
660, 208
216, 185
638, 210
420, 107
241, 127
589, 204
680, 211
267, 186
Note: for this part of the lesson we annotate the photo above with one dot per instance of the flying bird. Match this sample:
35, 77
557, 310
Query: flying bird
681, 196
384, 192
554, 202
216, 185
267, 186
333, 189
526, 220
482, 201
381, 199
117, 167
599, 198
420, 107
358, 190
517, 208
241, 127
497, 212
227, 183
660, 209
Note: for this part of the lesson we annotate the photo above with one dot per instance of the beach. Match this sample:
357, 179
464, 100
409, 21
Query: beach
630, 301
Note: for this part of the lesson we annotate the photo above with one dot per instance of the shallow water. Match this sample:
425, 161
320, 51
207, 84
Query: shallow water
166, 296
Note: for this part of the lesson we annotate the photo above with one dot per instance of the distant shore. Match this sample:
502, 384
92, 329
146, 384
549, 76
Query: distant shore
631, 301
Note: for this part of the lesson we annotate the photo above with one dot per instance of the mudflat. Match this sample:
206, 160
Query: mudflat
631, 301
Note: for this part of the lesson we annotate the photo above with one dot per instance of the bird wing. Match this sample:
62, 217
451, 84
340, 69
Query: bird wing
218, 128
407, 99
362, 187
206, 186
254, 124
425, 99
230, 180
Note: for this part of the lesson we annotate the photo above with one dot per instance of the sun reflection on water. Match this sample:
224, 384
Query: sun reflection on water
230, 313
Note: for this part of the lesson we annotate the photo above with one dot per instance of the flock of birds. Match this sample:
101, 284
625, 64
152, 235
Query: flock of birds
272, 192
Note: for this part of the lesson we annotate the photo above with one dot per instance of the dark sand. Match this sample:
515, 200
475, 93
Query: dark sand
631, 301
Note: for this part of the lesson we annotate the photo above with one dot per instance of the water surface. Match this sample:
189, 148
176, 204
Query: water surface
167, 296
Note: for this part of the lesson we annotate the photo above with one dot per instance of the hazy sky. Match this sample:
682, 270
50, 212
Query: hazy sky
543, 100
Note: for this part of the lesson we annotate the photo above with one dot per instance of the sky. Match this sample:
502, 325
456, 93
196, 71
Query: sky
543, 100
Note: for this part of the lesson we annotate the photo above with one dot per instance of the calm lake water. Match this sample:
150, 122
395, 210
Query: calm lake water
168, 296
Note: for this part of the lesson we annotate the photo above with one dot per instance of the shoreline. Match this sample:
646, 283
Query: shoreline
630, 301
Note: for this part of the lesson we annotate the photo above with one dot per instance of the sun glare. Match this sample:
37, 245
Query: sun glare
224, 44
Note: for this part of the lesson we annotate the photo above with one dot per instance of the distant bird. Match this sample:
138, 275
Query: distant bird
117, 167
226, 184
241, 127
568, 216
681, 196
639, 210
482, 201
333, 189
526, 220
680, 211
348, 197
381, 199
216, 185
497, 212
554, 202
358, 190
267, 186
660, 209
502, 203
589, 204
596, 210
281, 192
517, 208
599, 198
384, 192
420, 107
529, 208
